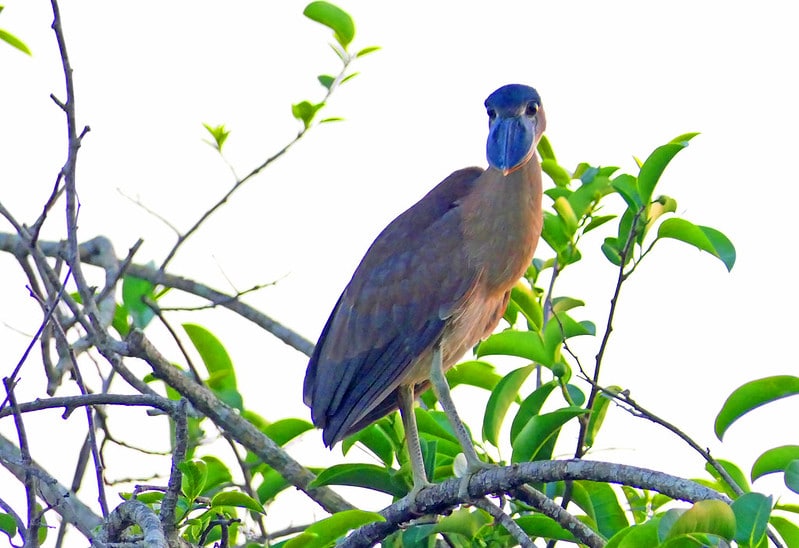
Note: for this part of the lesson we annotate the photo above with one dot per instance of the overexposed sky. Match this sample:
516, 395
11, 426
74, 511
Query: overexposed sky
617, 79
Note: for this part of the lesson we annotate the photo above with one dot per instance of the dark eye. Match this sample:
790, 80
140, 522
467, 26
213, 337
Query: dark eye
491, 113
532, 109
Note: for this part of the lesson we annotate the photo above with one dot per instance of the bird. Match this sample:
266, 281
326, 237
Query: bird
435, 282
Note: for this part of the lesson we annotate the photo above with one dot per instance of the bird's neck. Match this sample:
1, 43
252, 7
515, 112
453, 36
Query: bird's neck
505, 223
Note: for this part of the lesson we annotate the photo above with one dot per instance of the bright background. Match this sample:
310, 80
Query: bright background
617, 79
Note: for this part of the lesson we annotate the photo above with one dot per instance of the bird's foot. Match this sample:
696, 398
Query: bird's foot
413, 495
465, 468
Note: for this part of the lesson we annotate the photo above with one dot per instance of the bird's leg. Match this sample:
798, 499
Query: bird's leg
412, 440
441, 389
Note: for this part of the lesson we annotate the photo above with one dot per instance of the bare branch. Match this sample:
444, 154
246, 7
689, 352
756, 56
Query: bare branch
228, 420
444, 496
505, 520
126, 515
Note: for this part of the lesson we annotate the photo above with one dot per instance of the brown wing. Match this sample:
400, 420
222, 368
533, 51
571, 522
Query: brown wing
391, 311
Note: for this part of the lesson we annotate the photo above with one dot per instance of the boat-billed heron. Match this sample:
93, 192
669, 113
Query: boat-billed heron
434, 282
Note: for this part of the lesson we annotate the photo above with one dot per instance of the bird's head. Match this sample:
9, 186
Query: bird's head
515, 123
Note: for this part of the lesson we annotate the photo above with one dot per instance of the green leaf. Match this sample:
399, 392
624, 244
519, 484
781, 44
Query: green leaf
597, 416
538, 430
375, 438
702, 237
735, 473
333, 17
505, 393
305, 111
792, 476
222, 376
565, 211
598, 221
219, 135
523, 297
653, 166
627, 187
326, 80
538, 525
325, 532
706, 516
545, 151
612, 250
217, 473
368, 476
272, 484
774, 460
530, 407
193, 478
751, 396
237, 499
523, 344
473, 373
752, 511
285, 430
556, 172
463, 522
788, 530
134, 292
12, 40
636, 536
8, 525
608, 513
554, 232
367, 50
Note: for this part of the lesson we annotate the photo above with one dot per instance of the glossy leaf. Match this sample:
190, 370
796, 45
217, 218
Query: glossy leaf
792, 476
751, 396
597, 416
134, 293
505, 393
702, 237
565, 212
325, 532
8, 525
285, 430
752, 512
193, 475
636, 502
237, 499
217, 473
368, 476
333, 17
523, 344
473, 373
774, 460
538, 430
541, 526
556, 172
463, 522
653, 166
626, 186
734, 472
530, 407
636, 536
788, 530
608, 513
375, 438
523, 297
706, 516
545, 151
222, 376
273, 483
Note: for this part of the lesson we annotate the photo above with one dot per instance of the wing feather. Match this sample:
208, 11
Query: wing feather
389, 315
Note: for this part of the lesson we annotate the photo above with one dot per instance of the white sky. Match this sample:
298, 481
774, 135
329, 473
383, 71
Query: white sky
617, 79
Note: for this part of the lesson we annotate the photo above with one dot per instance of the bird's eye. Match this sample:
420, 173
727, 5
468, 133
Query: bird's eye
532, 109
491, 113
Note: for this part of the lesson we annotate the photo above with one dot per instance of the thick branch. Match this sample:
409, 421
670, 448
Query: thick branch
226, 419
444, 496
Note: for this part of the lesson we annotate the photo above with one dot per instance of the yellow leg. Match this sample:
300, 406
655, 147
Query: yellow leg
441, 389
412, 438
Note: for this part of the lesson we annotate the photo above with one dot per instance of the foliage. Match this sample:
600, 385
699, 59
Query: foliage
209, 501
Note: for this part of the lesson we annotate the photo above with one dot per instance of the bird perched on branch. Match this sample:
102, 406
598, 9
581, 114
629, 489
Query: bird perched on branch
434, 282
